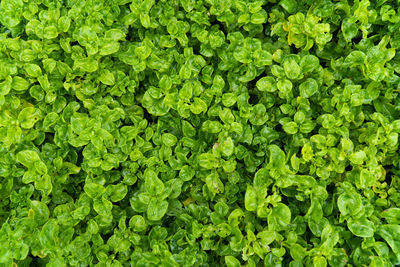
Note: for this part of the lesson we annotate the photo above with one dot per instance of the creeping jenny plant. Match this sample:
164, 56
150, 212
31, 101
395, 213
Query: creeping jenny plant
199, 133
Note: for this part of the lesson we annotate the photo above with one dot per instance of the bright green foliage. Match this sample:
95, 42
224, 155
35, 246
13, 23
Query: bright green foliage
199, 133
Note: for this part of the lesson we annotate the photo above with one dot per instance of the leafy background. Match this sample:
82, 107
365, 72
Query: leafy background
199, 133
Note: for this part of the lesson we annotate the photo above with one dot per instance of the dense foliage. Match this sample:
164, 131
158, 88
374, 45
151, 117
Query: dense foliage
199, 133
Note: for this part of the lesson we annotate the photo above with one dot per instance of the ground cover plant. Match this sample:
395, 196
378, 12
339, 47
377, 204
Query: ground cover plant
199, 133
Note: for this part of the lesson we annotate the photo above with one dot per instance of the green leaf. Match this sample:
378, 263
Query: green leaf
284, 86
349, 204
198, 106
19, 84
266, 237
28, 117
186, 173
392, 215
290, 127
297, 252
291, 68
157, 209
5, 86
362, 228
355, 58
186, 92
169, 139
349, 29
50, 32
277, 157
117, 192
108, 48
44, 184
308, 88
107, 77
40, 212
289, 5
358, 157
227, 146
86, 64
262, 57
208, 161
266, 84
279, 218
250, 198
309, 63
214, 184
319, 261
391, 234
33, 70
64, 23
102, 206
49, 234
94, 190
154, 186
260, 115
231, 261
27, 157
137, 223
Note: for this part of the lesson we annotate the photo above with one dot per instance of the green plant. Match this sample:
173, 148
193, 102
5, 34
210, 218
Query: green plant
199, 133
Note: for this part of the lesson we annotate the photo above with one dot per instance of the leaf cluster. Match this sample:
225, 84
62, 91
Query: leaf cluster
199, 133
